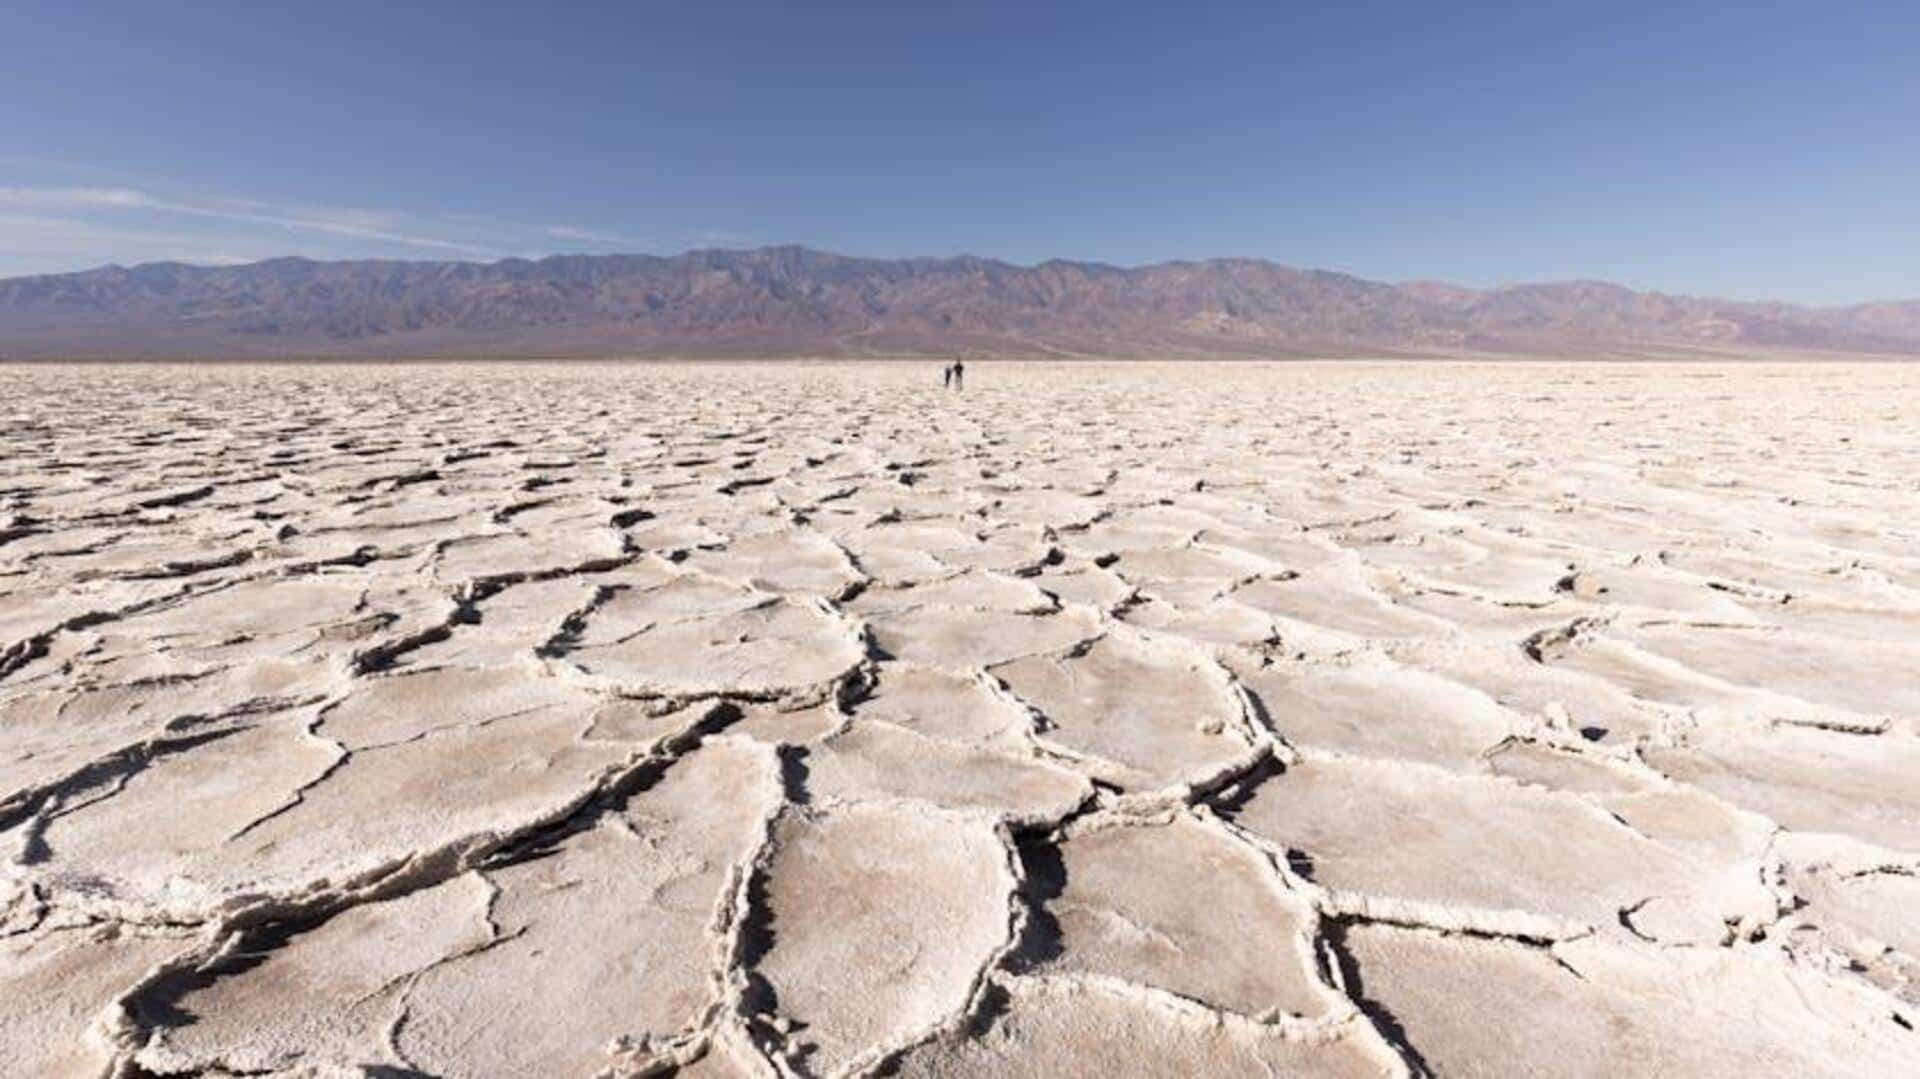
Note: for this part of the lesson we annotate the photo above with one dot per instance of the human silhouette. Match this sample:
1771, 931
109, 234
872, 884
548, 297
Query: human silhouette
959, 374
946, 376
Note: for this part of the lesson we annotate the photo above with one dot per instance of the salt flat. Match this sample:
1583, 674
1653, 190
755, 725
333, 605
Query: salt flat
800, 719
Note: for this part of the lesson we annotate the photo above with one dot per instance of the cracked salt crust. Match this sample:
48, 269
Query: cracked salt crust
768, 720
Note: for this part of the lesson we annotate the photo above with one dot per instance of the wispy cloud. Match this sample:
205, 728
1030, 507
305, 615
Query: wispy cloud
721, 238
359, 224
49, 226
74, 198
34, 243
592, 236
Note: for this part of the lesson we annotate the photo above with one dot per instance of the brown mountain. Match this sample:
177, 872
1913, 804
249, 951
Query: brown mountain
790, 300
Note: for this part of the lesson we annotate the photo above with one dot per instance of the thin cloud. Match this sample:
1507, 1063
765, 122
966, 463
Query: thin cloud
333, 222
358, 224
120, 218
39, 243
590, 236
75, 198
721, 238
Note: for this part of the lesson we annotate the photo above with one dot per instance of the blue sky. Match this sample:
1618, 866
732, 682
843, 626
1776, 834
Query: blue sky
1762, 150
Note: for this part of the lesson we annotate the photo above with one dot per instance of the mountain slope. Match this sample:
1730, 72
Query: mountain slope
791, 300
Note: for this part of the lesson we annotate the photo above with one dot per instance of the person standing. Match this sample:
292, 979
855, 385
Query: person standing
946, 376
959, 374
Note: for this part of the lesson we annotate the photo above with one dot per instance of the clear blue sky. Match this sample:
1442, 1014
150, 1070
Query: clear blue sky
1750, 149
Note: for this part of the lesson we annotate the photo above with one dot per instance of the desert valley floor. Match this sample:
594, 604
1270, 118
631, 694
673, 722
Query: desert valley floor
803, 719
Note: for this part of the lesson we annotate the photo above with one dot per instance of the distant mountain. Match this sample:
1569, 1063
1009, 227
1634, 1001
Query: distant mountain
795, 301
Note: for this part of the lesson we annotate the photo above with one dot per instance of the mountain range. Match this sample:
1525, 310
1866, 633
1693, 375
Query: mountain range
797, 301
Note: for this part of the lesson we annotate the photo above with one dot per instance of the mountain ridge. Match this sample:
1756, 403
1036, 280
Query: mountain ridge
794, 300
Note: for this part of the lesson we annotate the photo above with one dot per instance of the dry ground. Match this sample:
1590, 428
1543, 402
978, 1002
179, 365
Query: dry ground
790, 719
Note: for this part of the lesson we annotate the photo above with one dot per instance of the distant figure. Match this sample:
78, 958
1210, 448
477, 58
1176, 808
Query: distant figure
946, 376
959, 374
